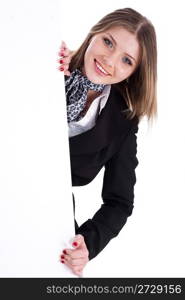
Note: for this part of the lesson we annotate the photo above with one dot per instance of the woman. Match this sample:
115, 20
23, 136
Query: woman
110, 86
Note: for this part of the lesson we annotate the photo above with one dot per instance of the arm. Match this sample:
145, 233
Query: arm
117, 194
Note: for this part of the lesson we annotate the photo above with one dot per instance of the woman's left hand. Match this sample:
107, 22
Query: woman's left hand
77, 258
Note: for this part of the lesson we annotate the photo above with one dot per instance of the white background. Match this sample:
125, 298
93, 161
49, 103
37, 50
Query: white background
36, 211
152, 242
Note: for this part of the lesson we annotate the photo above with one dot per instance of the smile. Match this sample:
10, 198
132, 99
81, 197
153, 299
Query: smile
100, 69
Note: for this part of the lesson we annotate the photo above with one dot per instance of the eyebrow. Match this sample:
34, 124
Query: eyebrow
116, 44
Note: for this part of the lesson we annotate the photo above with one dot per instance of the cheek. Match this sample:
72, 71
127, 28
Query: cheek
88, 55
87, 59
94, 49
123, 73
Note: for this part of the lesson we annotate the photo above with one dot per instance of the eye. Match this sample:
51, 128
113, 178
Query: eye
107, 42
127, 60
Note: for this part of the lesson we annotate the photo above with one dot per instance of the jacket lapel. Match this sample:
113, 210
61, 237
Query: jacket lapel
109, 124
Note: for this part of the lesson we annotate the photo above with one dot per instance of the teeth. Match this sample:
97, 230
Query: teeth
101, 69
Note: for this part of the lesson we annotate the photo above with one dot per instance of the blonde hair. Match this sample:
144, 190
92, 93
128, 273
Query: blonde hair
140, 89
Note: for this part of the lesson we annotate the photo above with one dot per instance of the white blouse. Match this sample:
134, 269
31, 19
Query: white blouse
89, 120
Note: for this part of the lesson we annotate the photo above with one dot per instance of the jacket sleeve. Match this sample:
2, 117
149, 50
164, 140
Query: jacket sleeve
117, 194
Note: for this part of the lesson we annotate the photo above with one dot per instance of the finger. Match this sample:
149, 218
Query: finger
75, 261
79, 241
64, 52
64, 60
78, 253
74, 267
63, 45
64, 68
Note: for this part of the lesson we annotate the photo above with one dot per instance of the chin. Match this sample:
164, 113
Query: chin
91, 76
94, 79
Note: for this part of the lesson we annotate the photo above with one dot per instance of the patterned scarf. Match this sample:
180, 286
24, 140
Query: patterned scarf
77, 86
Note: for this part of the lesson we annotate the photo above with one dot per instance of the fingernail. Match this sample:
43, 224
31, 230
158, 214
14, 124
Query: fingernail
61, 68
62, 261
61, 61
61, 53
62, 256
75, 244
64, 251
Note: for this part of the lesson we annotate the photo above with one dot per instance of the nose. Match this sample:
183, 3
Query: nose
108, 61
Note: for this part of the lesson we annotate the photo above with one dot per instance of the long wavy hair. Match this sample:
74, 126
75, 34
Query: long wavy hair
140, 89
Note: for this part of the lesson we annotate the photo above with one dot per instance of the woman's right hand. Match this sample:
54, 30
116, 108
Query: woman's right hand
64, 60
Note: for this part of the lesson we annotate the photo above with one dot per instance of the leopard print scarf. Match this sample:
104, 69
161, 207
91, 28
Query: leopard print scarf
77, 86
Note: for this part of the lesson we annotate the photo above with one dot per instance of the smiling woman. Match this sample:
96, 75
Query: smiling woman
110, 85
113, 56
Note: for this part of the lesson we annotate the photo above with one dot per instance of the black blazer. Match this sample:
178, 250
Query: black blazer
111, 143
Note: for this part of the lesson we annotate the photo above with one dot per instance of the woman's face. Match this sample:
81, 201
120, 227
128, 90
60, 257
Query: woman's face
111, 56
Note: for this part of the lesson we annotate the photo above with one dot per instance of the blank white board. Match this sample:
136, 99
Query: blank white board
36, 211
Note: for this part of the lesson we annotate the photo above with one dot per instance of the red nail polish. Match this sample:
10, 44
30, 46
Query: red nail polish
61, 53
64, 251
62, 261
61, 61
61, 69
75, 244
62, 256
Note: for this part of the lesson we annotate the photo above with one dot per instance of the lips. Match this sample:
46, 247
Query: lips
100, 68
